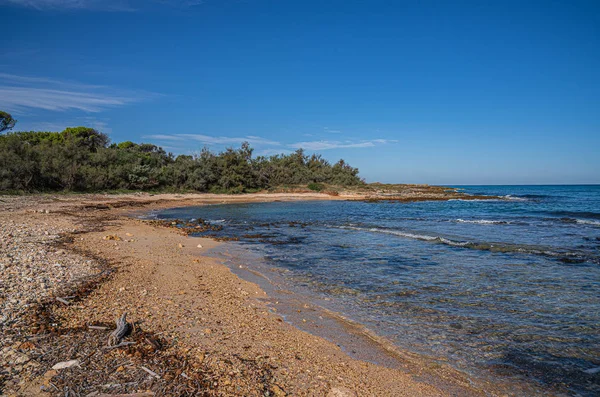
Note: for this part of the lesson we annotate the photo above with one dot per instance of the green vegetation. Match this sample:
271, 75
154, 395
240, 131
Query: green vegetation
82, 159
317, 187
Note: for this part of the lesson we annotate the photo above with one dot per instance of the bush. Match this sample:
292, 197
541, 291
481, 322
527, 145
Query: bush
317, 187
82, 159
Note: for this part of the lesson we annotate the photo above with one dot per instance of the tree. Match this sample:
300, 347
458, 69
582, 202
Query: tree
6, 121
81, 159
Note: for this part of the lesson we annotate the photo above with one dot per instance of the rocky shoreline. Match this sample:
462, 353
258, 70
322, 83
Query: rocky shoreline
197, 328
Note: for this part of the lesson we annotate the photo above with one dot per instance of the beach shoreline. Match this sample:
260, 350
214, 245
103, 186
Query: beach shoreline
198, 307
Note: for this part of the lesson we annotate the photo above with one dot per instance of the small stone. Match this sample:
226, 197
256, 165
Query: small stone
340, 392
180, 245
199, 246
21, 359
65, 364
49, 374
277, 391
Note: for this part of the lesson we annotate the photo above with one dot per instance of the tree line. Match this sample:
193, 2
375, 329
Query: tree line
83, 159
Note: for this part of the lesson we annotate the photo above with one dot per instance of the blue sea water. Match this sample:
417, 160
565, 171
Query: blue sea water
507, 289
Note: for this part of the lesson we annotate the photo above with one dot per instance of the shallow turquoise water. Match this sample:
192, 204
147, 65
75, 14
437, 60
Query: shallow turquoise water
507, 288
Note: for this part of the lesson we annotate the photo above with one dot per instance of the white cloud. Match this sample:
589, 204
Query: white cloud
60, 125
100, 5
215, 140
271, 152
267, 146
18, 93
110, 5
327, 145
331, 130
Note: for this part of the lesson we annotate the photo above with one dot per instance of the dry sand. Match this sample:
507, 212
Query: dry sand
199, 329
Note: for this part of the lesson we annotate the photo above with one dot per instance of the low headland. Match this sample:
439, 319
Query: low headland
72, 264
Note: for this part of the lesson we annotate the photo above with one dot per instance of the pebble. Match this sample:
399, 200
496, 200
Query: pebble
31, 267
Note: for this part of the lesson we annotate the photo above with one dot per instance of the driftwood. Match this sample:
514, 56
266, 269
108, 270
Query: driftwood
97, 327
122, 344
150, 372
123, 328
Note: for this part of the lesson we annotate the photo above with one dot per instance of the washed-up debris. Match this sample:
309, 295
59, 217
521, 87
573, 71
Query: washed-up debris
63, 301
150, 372
65, 364
122, 330
97, 327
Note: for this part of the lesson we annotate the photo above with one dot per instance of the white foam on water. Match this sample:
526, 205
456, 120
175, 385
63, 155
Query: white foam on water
513, 198
587, 222
482, 221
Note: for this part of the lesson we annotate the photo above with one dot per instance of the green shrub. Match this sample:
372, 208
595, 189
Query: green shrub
82, 159
317, 187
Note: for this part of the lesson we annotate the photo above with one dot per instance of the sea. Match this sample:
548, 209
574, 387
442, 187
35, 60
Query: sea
506, 290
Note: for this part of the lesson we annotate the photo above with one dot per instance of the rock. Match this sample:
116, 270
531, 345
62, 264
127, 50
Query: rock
112, 237
277, 391
26, 346
180, 245
21, 358
340, 392
199, 246
65, 364
49, 374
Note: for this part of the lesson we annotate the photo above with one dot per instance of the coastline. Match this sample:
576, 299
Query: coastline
193, 303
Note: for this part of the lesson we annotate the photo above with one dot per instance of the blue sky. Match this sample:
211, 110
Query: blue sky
439, 92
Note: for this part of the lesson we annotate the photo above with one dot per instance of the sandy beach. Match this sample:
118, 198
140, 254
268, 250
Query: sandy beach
71, 265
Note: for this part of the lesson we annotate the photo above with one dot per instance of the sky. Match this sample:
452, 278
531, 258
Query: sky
438, 92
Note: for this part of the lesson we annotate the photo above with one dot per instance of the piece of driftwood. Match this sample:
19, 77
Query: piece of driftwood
123, 328
150, 372
98, 327
122, 344
63, 301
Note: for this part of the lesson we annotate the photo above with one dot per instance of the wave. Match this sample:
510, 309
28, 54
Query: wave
482, 221
514, 198
497, 247
587, 222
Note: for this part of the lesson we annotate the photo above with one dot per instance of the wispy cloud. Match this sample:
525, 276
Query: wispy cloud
60, 125
331, 130
328, 145
108, 5
18, 93
273, 151
268, 146
215, 140
100, 5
